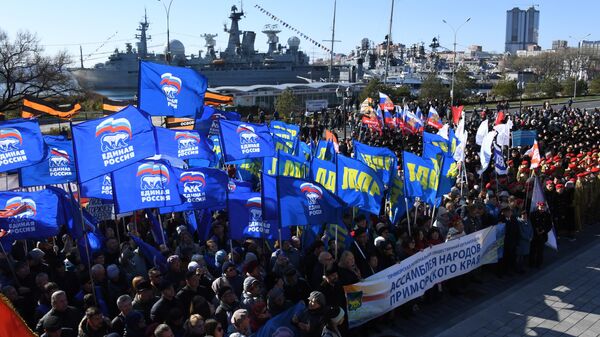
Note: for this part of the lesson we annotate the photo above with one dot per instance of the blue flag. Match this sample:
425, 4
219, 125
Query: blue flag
284, 145
435, 144
435, 147
343, 235
285, 165
380, 159
94, 244
281, 325
21, 144
324, 172
107, 144
200, 188
99, 188
170, 91
29, 215
56, 168
236, 186
397, 200
358, 185
292, 129
325, 151
245, 217
304, 151
146, 184
300, 202
421, 177
151, 254
249, 170
183, 144
69, 213
158, 232
244, 141
207, 120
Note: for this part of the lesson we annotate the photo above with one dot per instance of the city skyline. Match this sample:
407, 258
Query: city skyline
188, 20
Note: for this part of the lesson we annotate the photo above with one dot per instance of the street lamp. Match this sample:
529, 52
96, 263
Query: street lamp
578, 63
454, 57
167, 12
345, 96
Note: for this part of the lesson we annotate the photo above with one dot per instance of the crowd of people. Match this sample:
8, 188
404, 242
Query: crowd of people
220, 287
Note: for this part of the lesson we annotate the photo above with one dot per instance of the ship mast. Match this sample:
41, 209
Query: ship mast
234, 31
333, 40
143, 45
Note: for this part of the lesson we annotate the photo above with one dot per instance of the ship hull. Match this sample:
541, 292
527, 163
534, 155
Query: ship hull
105, 79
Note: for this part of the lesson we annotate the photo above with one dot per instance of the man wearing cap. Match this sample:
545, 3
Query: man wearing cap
53, 328
240, 324
166, 302
227, 306
542, 225
230, 278
144, 299
310, 320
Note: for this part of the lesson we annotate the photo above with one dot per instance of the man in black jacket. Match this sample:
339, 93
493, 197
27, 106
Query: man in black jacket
160, 309
68, 316
541, 221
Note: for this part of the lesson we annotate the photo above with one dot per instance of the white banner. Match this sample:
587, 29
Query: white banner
314, 105
409, 279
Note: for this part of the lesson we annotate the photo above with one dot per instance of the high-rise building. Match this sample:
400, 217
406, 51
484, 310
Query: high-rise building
521, 29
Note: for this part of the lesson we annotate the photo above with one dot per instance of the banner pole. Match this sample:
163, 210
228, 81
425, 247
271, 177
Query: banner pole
407, 216
336, 242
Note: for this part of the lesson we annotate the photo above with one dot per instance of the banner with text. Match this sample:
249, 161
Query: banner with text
410, 278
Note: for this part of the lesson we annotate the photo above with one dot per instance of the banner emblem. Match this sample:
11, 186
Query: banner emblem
193, 186
171, 86
19, 208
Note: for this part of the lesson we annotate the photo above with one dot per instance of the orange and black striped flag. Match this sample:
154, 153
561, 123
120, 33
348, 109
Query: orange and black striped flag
33, 107
109, 106
180, 123
214, 99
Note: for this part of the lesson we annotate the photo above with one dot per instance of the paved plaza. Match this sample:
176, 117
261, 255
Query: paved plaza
563, 300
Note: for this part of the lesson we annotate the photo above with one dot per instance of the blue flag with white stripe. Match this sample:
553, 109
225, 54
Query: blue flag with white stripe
207, 120
183, 144
245, 141
108, 144
21, 144
246, 217
166, 90
29, 215
200, 188
57, 167
146, 184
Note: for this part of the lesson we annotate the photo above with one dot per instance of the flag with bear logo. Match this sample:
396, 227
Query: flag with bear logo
200, 188
56, 168
145, 184
241, 140
29, 215
183, 144
246, 216
21, 144
166, 90
110, 143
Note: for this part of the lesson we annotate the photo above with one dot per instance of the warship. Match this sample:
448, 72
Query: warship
238, 65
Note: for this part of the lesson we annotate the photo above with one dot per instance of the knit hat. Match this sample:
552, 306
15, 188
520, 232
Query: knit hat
248, 282
238, 316
36, 254
192, 266
318, 297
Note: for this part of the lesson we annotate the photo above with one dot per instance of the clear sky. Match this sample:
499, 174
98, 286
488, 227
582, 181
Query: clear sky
64, 24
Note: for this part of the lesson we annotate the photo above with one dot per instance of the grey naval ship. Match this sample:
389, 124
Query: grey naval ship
238, 65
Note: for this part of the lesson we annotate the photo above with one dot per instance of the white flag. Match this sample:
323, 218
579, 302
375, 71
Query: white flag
485, 154
504, 133
481, 132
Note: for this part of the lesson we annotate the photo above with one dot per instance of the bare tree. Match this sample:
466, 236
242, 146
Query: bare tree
24, 70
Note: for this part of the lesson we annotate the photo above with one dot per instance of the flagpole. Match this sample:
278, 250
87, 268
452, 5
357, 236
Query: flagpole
336, 242
407, 216
85, 237
117, 228
162, 231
